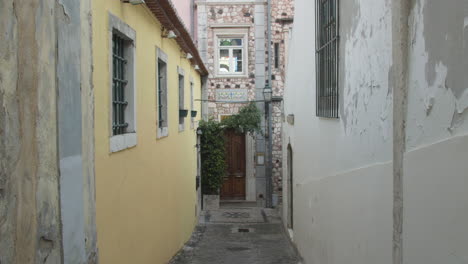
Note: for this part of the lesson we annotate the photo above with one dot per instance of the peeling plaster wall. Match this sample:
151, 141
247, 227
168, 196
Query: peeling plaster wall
438, 81
435, 165
342, 167
343, 173
39, 63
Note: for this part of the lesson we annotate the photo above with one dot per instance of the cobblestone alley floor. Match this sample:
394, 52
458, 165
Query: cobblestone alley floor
234, 235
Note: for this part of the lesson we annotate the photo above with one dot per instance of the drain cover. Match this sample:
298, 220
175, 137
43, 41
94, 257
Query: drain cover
237, 248
237, 229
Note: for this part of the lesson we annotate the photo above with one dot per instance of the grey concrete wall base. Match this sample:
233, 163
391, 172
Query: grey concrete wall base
210, 202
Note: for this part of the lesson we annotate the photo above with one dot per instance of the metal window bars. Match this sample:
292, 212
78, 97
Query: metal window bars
119, 83
160, 93
327, 58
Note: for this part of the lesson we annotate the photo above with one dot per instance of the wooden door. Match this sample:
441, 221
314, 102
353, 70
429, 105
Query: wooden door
234, 182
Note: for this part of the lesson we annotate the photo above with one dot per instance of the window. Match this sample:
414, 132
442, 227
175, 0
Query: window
119, 83
122, 86
231, 52
327, 58
161, 94
192, 108
277, 55
182, 109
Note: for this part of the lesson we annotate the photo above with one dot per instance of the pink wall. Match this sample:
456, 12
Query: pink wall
184, 8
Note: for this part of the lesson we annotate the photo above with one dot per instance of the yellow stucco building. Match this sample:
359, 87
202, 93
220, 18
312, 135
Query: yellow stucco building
146, 69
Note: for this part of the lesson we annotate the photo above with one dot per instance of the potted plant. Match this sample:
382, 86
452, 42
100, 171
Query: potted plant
213, 163
193, 113
183, 112
213, 153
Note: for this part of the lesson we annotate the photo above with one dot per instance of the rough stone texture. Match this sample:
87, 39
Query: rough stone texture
211, 202
282, 12
264, 243
229, 14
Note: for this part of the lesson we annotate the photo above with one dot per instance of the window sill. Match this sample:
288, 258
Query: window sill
162, 132
233, 76
122, 142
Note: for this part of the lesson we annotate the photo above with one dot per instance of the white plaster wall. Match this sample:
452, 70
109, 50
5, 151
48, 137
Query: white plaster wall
436, 203
342, 168
436, 165
438, 72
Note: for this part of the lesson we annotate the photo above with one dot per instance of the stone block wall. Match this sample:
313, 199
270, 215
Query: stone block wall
282, 13
251, 15
229, 14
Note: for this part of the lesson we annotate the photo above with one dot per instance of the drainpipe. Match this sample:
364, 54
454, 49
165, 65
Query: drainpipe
400, 35
268, 112
192, 19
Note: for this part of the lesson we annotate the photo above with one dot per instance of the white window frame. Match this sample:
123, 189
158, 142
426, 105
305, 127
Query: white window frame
181, 104
192, 105
240, 33
129, 139
162, 131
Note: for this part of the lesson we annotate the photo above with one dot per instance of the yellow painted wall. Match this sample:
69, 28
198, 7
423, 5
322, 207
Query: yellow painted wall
145, 196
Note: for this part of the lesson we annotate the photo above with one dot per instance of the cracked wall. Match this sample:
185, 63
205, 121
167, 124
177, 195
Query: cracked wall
31, 89
438, 83
343, 168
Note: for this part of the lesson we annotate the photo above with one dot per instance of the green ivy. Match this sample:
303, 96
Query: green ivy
212, 144
246, 121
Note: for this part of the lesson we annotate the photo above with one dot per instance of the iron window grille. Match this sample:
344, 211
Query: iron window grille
118, 85
161, 80
327, 58
181, 97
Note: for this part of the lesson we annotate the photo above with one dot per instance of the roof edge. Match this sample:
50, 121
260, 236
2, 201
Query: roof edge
167, 15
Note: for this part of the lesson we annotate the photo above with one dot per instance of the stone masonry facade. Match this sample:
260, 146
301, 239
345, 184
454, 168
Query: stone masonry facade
224, 15
215, 16
282, 13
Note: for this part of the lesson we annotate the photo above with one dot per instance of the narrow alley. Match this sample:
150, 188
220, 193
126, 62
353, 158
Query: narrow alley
234, 131
238, 233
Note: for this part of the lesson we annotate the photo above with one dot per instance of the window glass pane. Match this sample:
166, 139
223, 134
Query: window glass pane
230, 42
237, 57
224, 61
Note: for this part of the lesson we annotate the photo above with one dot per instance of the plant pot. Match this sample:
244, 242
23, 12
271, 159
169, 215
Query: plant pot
210, 202
183, 113
193, 113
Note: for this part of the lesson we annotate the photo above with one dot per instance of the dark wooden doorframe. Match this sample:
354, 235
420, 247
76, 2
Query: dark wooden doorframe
234, 182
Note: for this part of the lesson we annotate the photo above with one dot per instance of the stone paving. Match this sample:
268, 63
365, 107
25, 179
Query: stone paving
238, 236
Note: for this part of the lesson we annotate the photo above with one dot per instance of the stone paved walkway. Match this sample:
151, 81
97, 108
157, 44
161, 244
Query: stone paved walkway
238, 236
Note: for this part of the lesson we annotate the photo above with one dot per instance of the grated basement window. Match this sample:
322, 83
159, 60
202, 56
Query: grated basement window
118, 85
327, 58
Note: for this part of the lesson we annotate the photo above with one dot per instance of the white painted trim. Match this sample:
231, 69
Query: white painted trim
230, 33
250, 188
162, 132
122, 142
228, 25
123, 29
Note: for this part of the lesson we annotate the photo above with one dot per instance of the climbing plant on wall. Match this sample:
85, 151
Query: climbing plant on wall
212, 144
